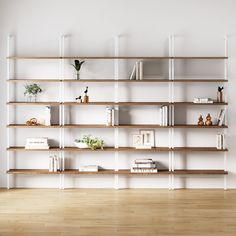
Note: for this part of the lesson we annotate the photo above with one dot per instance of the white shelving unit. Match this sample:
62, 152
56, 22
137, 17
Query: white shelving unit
171, 172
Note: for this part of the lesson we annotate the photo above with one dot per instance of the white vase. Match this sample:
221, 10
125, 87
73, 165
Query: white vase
81, 145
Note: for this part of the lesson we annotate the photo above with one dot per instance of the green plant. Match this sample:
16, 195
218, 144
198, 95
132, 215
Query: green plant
32, 89
78, 65
92, 143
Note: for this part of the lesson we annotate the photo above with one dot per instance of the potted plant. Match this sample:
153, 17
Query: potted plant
89, 142
31, 91
77, 67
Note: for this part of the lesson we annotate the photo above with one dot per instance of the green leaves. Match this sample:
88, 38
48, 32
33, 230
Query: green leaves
32, 89
78, 65
92, 143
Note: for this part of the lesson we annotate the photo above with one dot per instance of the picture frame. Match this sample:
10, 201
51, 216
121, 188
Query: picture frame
137, 140
148, 137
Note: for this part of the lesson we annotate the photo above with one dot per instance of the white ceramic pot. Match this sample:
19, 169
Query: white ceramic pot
81, 145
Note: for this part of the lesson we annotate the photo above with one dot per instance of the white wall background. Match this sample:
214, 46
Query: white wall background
144, 26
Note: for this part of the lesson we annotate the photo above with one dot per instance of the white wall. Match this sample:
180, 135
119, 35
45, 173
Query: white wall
144, 26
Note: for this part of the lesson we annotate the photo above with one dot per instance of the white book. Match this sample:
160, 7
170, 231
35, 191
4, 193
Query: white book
132, 76
143, 170
143, 161
218, 141
55, 164
137, 70
113, 117
161, 115
221, 117
51, 164
88, 168
141, 70
108, 116
223, 141
48, 115
144, 165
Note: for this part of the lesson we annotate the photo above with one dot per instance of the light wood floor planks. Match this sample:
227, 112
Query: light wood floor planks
117, 212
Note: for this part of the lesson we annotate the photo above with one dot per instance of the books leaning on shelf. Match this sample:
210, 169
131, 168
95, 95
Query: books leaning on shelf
110, 116
137, 72
144, 166
202, 100
88, 168
164, 116
37, 143
220, 141
54, 164
48, 115
221, 117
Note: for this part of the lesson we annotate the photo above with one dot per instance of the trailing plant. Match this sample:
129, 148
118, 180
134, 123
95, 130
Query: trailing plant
92, 142
78, 65
32, 89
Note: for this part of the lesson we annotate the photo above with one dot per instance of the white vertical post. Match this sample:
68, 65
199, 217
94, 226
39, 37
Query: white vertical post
116, 98
9, 38
61, 108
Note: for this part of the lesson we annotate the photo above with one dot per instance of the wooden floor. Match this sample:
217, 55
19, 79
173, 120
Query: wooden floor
117, 212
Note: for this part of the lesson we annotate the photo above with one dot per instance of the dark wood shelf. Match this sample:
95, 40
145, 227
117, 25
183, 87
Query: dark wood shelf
113, 172
200, 80
198, 149
33, 126
200, 172
200, 127
34, 80
22, 149
117, 103
201, 104
200, 58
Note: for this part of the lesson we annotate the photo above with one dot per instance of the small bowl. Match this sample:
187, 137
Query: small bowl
80, 145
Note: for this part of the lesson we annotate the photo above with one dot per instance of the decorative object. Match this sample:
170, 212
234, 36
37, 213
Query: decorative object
221, 117
110, 116
148, 137
89, 168
79, 99
208, 121
164, 116
86, 97
37, 143
32, 122
137, 140
31, 91
202, 100
77, 67
48, 115
91, 142
200, 121
54, 164
220, 141
144, 166
220, 97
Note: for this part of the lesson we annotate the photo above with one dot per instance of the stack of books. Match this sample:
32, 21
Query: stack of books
110, 116
202, 100
54, 164
137, 72
164, 116
88, 168
144, 166
37, 143
220, 141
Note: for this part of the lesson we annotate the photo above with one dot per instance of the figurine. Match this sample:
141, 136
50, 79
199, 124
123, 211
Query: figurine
86, 97
208, 120
32, 122
220, 94
79, 99
200, 120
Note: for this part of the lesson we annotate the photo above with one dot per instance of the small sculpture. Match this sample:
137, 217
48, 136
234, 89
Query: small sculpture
220, 94
200, 121
32, 122
86, 97
79, 99
208, 120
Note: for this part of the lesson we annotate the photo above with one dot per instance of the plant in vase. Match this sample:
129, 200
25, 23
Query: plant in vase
77, 67
31, 91
89, 142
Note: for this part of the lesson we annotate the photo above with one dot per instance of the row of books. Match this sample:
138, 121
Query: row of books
110, 116
202, 100
164, 116
220, 141
37, 143
54, 164
144, 166
137, 72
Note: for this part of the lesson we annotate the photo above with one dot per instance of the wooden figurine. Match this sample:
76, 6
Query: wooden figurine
200, 120
32, 122
220, 94
208, 120
86, 97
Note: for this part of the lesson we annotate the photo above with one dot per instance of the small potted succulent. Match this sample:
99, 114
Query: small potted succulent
77, 67
31, 91
89, 142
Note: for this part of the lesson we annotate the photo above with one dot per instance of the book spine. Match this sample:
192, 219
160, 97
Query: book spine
133, 73
141, 70
137, 70
55, 164
144, 165
113, 117
108, 116
161, 114
51, 164
48, 115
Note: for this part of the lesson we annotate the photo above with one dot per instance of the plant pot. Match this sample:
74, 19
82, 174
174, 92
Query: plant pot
31, 97
80, 145
77, 76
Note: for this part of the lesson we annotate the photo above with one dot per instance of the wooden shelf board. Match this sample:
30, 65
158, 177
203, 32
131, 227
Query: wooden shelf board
34, 80
113, 149
197, 104
32, 127
116, 126
117, 103
200, 172
198, 149
200, 80
22, 149
200, 127
32, 172
112, 57
34, 103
